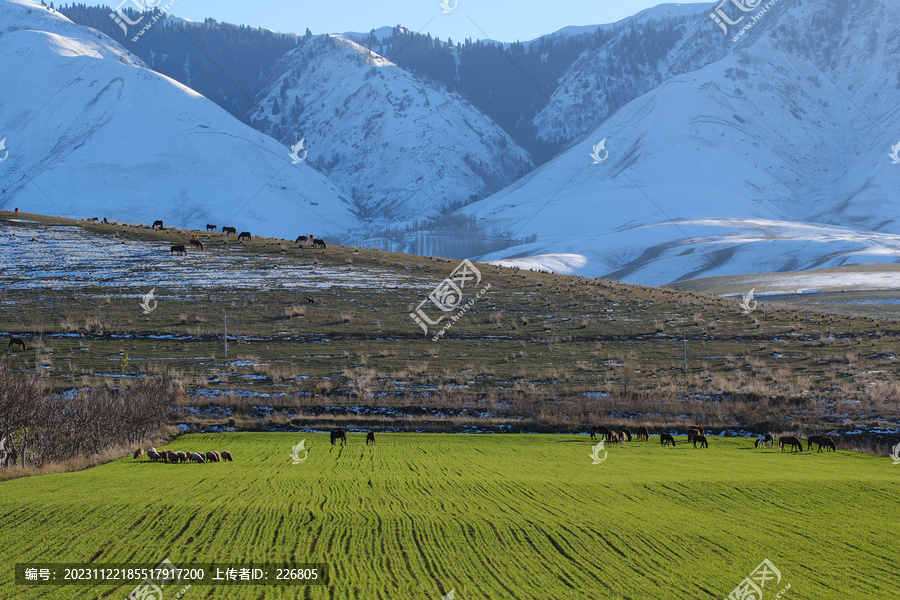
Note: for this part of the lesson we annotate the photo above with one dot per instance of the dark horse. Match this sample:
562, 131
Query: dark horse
244, 234
643, 434
17, 342
210, 227
178, 250
789, 440
665, 439
319, 242
814, 439
196, 244
338, 434
158, 223
604, 431
226, 230
627, 433
826, 442
370, 437
701, 439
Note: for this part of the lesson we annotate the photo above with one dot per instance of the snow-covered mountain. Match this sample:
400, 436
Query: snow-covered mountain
401, 146
90, 131
772, 158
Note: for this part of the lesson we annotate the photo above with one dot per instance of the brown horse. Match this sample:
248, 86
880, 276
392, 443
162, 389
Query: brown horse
814, 439
643, 434
789, 440
828, 443
244, 234
182, 456
319, 242
370, 437
226, 455
601, 430
226, 230
153, 455
210, 227
158, 224
93, 219
627, 433
178, 250
338, 434
138, 453
301, 239
195, 243
665, 439
702, 440
15, 342
212, 457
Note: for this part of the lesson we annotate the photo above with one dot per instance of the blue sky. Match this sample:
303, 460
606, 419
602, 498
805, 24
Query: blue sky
504, 20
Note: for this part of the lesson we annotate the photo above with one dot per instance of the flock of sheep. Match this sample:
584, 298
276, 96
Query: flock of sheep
173, 457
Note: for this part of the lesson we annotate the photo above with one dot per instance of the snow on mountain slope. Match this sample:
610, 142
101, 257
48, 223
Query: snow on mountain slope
91, 132
765, 160
402, 147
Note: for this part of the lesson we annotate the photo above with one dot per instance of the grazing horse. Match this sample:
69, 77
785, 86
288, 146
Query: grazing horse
93, 219
17, 342
370, 437
301, 239
826, 442
665, 439
627, 433
194, 457
226, 230
338, 434
319, 242
244, 234
210, 227
178, 250
153, 455
814, 439
789, 440
138, 453
182, 456
601, 430
212, 457
762, 440
643, 434
158, 223
702, 440
195, 243
226, 455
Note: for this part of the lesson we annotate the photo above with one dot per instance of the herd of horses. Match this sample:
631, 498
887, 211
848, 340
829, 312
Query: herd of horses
171, 456
697, 435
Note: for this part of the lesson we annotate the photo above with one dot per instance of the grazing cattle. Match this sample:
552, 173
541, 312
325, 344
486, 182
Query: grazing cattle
210, 227
601, 430
338, 434
789, 440
763, 440
178, 250
301, 239
828, 443
643, 434
153, 455
212, 457
15, 342
244, 234
93, 219
226, 455
702, 440
195, 243
226, 230
627, 433
665, 439
814, 439
319, 242
138, 453
158, 224
370, 437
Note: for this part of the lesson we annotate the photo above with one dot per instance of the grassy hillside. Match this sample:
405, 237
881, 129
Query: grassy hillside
331, 328
491, 516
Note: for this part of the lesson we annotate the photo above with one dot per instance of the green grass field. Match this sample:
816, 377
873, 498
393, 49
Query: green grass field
491, 516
